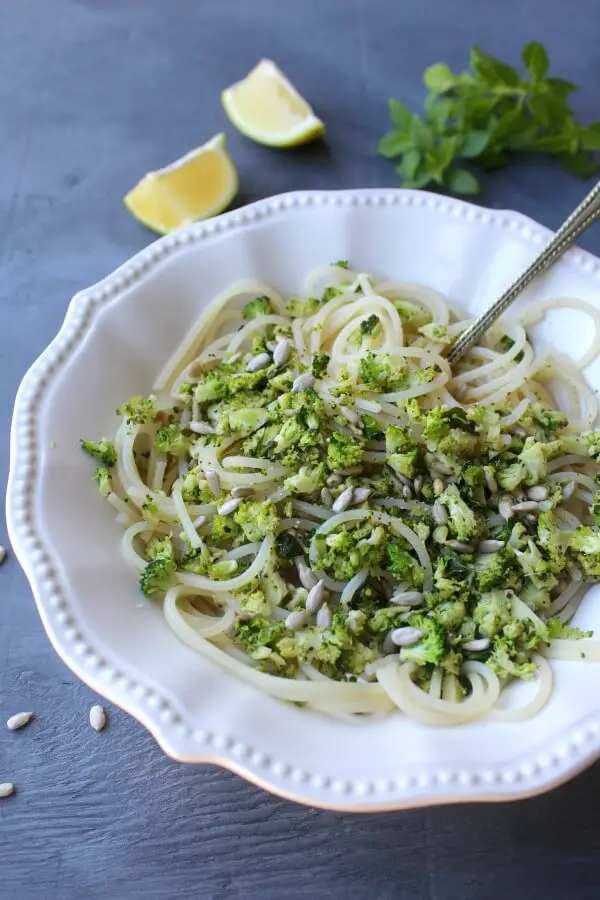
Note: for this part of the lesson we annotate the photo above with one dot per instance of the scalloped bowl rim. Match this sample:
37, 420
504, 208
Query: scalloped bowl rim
522, 776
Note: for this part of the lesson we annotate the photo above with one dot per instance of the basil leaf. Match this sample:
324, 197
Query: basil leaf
460, 181
473, 143
492, 70
439, 78
400, 115
535, 58
393, 144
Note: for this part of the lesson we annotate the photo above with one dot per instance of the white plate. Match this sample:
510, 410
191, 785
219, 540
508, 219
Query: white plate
114, 339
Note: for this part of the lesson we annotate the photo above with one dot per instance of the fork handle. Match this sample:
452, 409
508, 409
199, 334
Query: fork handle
580, 219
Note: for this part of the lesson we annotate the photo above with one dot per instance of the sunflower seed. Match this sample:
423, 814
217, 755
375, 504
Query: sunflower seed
418, 484
407, 492
539, 492
459, 546
407, 598
303, 382
326, 497
361, 494
18, 720
199, 522
349, 414
351, 470
438, 486
490, 546
295, 621
229, 506
403, 637
307, 578
443, 468
281, 352
214, 482
201, 428
258, 362
492, 484
6, 789
324, 617
235, 357
343, 501
334, 481
404, 480
576, 572
476, 646
440, 513
315, 598
97, 718
505, 508
527, 506
242, 491
440, 534
569, 490
518, 431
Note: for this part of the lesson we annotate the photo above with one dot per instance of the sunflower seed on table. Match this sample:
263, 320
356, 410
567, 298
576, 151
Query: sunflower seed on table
343, 501
459, 546
201, 428
407, 598
490, 480
361, 494
6, 789
242, 491
97, 718
476, 645
490, 546
307, 577
295, 621
229, 506
438, 486
569, 490
405, 636
539, 492
324, 617
334, 481
526, 506
440, 513
214, 482
349, 414
258, 362
505, 508
316, 597
281, 352
302, 382
19, 720
326, 497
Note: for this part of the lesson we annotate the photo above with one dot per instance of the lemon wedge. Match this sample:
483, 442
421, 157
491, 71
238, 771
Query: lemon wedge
266, 107
198, 185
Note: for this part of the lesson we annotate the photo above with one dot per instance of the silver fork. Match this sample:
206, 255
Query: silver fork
580, 219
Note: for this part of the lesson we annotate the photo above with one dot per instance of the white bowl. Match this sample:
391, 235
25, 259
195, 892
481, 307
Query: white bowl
113, 341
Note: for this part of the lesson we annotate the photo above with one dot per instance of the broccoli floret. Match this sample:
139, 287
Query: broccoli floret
307, 480
190, 489
403, 455
342, 553
535, 567
253, 602
159, 575
553, 540
492, 612
436, 333
102, 450
381, 372
512, 476
508, 661
495, 569
341, 264
103, 480
197, 560
463, 520
150, 510
257, 518
411, 314
586, 444
385, 619
447, 581
212, 386
585, 545
343, 451
265, 641
534, 457
223, 569
170, 439
223, 528
368, 327
261, 306
319, 364
428, 650
543, 422
449, 614
557, 629
242, 422
401, 564
371, 428
441, 421
138, 410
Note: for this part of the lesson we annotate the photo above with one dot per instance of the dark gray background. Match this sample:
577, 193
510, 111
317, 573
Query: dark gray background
93, 94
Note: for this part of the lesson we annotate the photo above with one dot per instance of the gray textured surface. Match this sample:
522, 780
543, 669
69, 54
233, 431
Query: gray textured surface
92, 94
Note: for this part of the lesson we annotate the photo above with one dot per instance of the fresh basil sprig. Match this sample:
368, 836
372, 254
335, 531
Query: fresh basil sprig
484, 115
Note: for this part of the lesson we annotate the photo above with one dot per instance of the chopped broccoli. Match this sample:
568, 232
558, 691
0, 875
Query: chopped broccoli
170, 439
557, 629
381, 372
463, 521
508, 661
371, 428
307, 480
150, 509
103, 450
400, 563
253, 601
343, 451
257, 518
212, 386
242, 422
159, 575
320, 362
197, 560
429, 649
341, 264
436, 333
223, 569
411, 314
138, 410
585, 545
369, 326
223, 528
535, 567
261, 306
586, 444
403, 455
492, 612
103, 480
